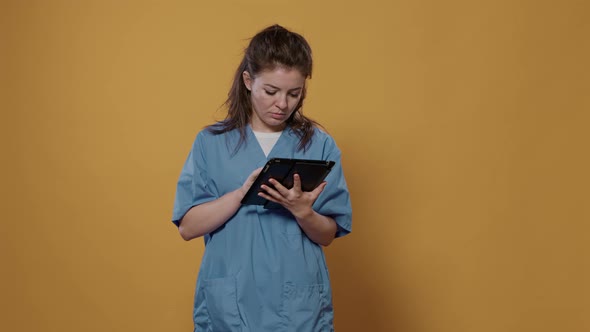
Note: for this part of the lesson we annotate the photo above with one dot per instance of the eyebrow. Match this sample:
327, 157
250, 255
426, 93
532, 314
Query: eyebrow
274, 87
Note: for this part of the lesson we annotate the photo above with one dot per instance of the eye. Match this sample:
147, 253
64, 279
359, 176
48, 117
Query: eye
294, 95
270, 93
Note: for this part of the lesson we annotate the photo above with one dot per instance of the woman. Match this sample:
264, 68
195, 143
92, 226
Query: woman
263, 269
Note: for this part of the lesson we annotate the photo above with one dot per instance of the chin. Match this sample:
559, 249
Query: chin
276, 126
275, 123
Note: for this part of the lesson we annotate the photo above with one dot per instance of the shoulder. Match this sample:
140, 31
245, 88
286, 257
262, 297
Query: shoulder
321, 134
210, 133
202, 137
322, 137
209, 141
321, 140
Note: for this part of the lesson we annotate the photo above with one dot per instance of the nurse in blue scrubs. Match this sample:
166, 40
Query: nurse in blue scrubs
263, 269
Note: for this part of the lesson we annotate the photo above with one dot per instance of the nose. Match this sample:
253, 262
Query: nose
282, 102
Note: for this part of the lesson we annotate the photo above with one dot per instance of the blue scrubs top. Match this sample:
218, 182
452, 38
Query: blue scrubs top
260, 272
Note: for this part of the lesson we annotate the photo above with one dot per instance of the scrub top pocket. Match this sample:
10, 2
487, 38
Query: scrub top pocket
307, 308
222, 304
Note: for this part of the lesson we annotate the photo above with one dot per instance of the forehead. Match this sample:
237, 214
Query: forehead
281, 77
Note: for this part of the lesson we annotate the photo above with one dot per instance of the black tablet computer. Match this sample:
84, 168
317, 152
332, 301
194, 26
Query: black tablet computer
311, 172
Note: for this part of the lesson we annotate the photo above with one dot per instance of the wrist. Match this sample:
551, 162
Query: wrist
304, 214
238, 194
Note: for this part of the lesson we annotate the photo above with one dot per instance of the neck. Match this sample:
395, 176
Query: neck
267, 129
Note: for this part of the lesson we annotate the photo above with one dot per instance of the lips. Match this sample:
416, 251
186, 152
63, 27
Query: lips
278, 116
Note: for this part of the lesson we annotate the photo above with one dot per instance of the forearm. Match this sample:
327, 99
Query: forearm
319, 228
207, 217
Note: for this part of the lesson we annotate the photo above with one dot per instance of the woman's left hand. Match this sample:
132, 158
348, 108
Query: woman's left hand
297, 201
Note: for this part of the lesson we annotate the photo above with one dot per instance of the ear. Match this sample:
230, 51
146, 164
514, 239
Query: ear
247, 80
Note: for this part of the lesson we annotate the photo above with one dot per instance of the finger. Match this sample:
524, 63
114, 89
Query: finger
297, 182
269, 193
317, 191
254, 174
279, 187
252, 177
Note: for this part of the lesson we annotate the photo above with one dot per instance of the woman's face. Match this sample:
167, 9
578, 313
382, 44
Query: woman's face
274, 94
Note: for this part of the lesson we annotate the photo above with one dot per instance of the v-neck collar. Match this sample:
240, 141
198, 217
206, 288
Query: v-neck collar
277, 147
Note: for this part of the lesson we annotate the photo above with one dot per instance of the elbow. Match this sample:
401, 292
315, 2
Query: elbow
326, 242
329, 238
186, 234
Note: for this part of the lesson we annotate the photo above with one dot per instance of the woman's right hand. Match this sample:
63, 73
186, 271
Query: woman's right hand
249, 181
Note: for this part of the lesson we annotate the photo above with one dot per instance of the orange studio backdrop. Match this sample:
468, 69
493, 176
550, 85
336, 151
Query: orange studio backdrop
463, 126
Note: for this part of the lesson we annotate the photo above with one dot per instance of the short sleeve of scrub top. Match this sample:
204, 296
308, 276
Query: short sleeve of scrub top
192, 188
